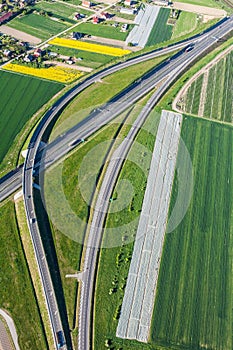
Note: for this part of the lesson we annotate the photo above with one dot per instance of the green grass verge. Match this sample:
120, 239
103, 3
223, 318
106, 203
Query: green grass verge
16, 290
193, 307
101, 93
21, 97
33, 268
114, 262
104, 30
186, 23
160, 31
68, 234
38, 26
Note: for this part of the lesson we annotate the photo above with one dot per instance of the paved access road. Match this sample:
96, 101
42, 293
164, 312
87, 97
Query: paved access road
11, 326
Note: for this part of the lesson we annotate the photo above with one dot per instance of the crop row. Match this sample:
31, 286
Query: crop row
60, 74
82, 45
218, 98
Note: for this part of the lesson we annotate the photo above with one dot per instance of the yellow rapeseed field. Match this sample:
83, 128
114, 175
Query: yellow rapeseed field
82, 45
60, 74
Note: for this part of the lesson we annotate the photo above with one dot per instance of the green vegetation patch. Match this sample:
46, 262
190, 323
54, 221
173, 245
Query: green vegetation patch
217, 94
100, 93
21, 97
56, 9
16, 291
161, 31
186, 23
39, 26
105, 30
208, 3
193, 307
89, 59
114, 262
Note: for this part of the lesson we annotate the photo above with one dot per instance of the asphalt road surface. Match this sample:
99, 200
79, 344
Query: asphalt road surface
172, 72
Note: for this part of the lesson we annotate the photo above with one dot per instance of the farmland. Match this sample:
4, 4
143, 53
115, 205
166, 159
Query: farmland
161, 31
58, 10
186, 23
85, 46
39, 26
195, 278
21, 97
60, 74
215, 95
208, 3
16, 290
103, 30
89, 59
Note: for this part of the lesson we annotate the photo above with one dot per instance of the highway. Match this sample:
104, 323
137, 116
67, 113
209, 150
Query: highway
13, 181
171, 71
108, 184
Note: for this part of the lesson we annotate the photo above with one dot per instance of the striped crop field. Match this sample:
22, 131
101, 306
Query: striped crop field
85, 46
211, 94
193, 307
60, 74
161, 31
21, 97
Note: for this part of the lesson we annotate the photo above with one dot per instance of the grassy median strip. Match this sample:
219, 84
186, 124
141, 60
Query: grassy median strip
101, 92
17, 294
114, 262
33, 268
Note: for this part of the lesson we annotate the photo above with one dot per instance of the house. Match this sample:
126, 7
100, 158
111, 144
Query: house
4, 17
77, 35
86, 3
162, 2
105, 15
127, 11
95, 19
28, 58
37, 53
7, 53
124, 27
128, 2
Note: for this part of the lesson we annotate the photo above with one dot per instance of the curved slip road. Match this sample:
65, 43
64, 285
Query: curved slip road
11, 326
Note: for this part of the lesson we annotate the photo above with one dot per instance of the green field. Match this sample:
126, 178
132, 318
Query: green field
56, 8
16, 291
193, 308
104, 30
186, 23
208, 3
21, 97
39, 26
160, 31
218, 97
89, 59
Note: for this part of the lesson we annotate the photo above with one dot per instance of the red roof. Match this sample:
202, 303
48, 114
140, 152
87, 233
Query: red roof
5, 17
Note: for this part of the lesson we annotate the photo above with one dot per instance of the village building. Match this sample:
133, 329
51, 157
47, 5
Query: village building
127, 11
86, 3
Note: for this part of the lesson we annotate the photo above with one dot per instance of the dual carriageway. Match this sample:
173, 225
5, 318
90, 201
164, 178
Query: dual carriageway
166, 74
